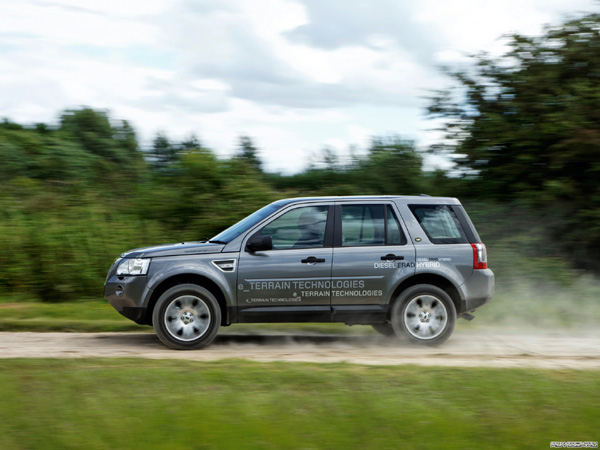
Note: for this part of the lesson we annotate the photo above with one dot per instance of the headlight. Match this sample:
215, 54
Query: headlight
137, 266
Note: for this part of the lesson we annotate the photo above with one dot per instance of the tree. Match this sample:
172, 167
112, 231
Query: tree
113, 143
393, 166
530, 120
163, 153
40, 154
93, 131
248, 152
192, 143
526, 125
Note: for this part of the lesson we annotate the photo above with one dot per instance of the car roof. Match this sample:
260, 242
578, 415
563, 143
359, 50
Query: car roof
396, 198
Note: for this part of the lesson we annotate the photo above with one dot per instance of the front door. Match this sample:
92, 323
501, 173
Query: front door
291, 282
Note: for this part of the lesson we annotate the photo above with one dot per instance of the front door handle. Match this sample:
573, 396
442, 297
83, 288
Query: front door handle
312, 260
392, 257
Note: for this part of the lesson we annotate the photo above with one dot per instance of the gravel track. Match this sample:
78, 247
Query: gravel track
464, 349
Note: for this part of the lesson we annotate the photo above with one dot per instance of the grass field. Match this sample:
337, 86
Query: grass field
98, 315
143, 404
87, 315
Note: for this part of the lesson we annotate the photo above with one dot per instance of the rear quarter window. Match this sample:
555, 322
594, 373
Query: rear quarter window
440, 223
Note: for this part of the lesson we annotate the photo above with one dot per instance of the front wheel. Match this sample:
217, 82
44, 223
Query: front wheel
186, 317
424, 314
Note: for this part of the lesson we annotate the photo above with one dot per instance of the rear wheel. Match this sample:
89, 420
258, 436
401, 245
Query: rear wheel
424, 314
186, 317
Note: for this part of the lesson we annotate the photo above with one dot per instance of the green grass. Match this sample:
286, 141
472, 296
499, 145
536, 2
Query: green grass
85, 315
130, 404
98, 315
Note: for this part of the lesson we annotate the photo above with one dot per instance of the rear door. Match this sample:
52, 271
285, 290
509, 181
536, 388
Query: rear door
371, 256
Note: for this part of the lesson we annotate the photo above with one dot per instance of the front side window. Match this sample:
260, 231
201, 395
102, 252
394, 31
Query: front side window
299, 228
440, 224
364, 225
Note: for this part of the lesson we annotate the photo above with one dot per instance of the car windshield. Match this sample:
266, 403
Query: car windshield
245, 224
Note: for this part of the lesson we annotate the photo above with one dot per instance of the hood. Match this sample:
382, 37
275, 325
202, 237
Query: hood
180, 249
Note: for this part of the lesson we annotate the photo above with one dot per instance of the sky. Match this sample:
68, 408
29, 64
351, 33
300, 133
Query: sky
296, 76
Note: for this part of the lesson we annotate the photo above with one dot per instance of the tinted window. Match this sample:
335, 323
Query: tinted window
440, 224
298, 228
370, 225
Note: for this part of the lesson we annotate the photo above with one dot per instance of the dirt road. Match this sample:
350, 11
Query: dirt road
465, 349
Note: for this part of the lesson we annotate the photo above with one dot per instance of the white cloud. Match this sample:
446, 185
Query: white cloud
294, 75
472, 26
56, 23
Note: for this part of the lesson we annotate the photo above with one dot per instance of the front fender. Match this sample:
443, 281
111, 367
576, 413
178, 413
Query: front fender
163, 269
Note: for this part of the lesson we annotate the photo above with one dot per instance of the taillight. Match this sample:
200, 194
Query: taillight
479, 256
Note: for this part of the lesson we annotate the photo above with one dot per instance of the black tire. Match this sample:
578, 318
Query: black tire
186, 317
424, 315
385, 329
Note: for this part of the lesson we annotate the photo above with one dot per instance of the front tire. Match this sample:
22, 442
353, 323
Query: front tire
424, 315
186, 317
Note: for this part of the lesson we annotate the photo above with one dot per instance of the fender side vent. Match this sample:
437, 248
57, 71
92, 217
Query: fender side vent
225, 265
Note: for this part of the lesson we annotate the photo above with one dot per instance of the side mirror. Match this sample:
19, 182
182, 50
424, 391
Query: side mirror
259, 243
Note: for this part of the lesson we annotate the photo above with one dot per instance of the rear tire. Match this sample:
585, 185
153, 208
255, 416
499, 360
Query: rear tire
424, 315
186, 317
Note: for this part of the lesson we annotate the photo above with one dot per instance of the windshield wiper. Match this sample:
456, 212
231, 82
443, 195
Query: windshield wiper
217, 242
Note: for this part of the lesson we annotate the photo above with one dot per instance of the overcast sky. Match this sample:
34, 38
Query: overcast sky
296, 76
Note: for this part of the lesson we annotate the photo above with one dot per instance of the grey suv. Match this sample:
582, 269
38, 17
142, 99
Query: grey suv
406, 265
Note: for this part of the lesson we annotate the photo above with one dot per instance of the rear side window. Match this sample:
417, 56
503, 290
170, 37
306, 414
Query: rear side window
366, 225
440, 224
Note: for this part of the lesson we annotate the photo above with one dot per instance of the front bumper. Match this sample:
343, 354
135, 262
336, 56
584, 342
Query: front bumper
126, 294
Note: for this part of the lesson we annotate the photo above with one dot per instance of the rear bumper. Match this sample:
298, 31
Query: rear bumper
479, 289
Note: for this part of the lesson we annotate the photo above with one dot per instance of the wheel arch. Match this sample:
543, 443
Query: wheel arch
434, 280
188, 278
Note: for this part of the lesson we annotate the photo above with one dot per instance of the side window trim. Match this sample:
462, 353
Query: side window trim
328, 238
337, 232
403, 239
467, 225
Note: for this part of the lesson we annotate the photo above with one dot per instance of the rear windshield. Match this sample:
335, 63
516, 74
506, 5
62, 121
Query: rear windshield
440, 224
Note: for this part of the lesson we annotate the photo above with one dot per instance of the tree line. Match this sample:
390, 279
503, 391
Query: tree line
523, 130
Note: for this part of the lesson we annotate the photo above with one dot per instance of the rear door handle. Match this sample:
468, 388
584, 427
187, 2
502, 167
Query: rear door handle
392, 257
312, 260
